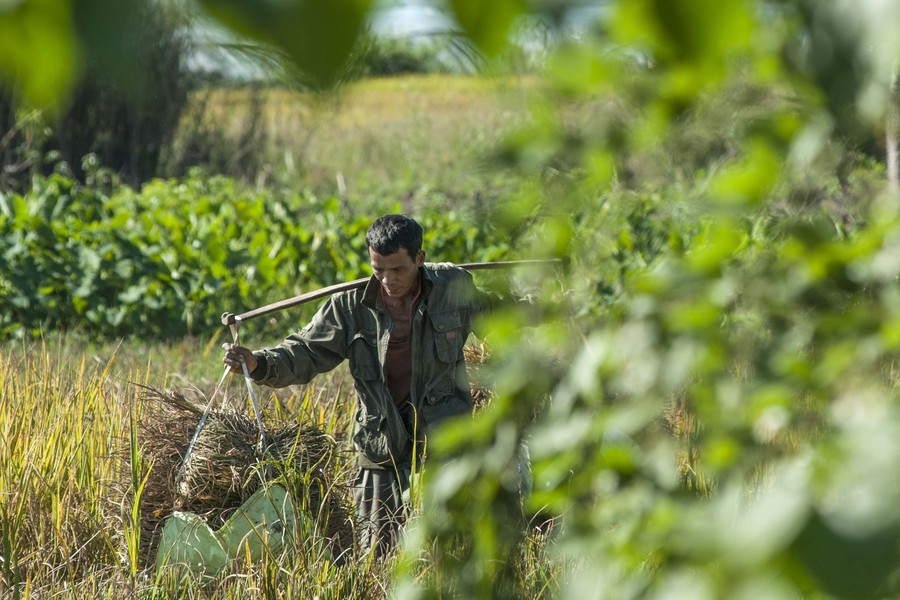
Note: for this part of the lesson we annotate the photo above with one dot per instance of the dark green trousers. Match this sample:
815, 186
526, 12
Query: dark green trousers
382, 507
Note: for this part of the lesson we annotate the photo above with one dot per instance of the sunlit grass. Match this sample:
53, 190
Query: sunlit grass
407, 138
61, 428
71, 469
72, 474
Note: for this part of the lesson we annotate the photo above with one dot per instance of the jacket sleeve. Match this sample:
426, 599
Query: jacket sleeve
317, 348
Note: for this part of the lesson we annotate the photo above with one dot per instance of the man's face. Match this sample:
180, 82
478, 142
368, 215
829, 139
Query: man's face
398, 273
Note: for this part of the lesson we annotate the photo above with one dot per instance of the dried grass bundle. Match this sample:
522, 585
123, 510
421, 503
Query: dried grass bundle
229, 462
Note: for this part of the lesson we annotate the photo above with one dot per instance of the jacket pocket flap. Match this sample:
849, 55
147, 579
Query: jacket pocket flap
436, 395
446, 321
365, 371
372, 422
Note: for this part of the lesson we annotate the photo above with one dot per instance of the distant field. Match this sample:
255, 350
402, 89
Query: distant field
409, 136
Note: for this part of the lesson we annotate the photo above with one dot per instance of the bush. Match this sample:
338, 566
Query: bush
169, 259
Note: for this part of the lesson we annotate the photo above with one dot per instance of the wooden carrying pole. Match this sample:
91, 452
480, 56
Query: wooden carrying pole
231, 319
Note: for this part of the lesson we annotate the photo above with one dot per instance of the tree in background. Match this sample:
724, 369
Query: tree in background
115, 91
17, 153
124, 112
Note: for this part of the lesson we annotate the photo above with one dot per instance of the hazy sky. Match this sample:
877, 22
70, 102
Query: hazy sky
410, 17
396, 18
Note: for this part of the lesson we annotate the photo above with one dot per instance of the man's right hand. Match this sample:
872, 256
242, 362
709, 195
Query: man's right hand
235, 355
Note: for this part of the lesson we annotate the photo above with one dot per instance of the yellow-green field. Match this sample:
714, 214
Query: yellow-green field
70, 432
74, 462
395, 136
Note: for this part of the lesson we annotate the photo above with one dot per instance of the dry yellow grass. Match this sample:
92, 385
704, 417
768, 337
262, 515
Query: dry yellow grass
89, 460
79, 463
392, 134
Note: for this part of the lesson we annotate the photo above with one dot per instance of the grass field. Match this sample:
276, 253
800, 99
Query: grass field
413, 139
74, 457
67, 526
72, 465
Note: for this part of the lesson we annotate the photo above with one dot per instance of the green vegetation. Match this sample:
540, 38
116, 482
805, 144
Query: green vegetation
708, 392
168, 260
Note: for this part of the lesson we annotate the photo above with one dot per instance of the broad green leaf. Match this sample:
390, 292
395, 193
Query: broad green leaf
318, 37
38, 50
716, 246
750, 180
488, 24
848, 565
694, 315
133, 294
702, 33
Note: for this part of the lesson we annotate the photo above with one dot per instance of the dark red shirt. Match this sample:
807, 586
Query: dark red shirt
398, 359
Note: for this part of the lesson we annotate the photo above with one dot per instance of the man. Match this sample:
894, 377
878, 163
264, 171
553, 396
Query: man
403, 335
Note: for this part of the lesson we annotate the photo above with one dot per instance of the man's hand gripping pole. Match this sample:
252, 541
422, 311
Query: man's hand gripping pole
235, 325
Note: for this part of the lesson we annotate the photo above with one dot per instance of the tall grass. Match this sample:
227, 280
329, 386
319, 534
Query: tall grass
72, 475
61, 426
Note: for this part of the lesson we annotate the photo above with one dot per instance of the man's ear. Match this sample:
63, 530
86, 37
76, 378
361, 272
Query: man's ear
420, 258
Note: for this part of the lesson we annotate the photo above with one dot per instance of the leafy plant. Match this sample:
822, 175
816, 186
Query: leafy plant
168, 260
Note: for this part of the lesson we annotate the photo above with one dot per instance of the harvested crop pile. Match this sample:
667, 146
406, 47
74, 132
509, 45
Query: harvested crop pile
228, 464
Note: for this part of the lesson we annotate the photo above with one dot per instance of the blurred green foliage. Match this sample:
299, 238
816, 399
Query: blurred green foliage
318, 37
721, 428
125, 84
709, 396
40, 50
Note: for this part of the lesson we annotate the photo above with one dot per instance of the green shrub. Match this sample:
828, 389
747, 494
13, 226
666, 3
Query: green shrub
169, 259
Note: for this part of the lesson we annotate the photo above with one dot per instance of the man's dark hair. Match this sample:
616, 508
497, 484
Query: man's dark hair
391, 232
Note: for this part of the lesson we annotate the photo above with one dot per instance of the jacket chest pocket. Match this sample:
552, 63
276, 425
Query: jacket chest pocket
367, 379
363, 355
450, 332
444, 403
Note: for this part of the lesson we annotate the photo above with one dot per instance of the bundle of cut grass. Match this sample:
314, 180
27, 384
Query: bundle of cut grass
229, 462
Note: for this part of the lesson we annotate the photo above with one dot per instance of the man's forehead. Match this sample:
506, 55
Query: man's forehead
397, 258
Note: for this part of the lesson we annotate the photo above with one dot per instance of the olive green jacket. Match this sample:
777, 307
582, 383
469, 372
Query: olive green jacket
355, 325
